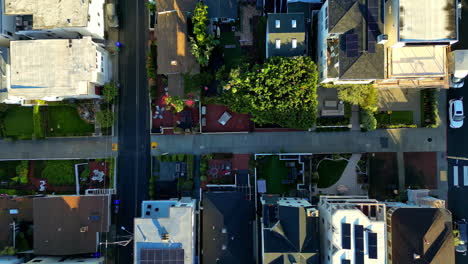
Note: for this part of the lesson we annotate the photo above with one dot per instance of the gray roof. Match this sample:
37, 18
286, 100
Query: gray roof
220, 8
231, 212
350, 17
286, 33
290, 235
423, 231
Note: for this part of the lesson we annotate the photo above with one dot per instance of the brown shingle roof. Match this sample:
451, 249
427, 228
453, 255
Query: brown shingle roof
68, 225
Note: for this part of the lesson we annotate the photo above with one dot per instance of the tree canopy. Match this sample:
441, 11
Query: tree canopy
203, 43
105, 118
364, 95
282, 91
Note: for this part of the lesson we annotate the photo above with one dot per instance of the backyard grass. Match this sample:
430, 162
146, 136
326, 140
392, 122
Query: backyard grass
232, 56
394, 119
18, 122
330, 172
273, 171
65, 121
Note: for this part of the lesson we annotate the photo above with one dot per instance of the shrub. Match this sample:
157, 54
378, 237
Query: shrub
175, 102
8, 251
22, 171
38, 125
110, 92
150, 65
105, 118
194, 83
202, 43
59, 172
187, 185
332, 121
190, 161
85, 174
154, 92
151, 6
8, 191
364, 95
430, 111
368, 120
203, 178
180, 157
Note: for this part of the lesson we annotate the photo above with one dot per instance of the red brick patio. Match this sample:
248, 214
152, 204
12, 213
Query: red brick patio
238, 122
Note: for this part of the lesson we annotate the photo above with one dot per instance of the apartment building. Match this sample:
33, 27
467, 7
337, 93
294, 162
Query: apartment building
166, 231
352, 230
54, 70
50, 19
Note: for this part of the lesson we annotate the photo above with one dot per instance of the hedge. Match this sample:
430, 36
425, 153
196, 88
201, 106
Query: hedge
331, 129
333, 121
430, 108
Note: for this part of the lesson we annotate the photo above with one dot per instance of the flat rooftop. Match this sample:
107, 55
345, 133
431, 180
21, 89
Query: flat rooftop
48, 14
52, 67
421, 61
427, 20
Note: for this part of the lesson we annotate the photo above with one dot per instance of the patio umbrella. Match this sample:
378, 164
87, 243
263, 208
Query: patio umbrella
158, 113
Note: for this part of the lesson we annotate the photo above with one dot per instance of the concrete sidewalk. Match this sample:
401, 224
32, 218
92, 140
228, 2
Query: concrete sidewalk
57, 148
404, 140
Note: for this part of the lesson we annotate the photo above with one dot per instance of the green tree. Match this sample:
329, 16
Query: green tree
368, 120
151, 5
59, 172
364, 95
150, 65
175, 102
194, 83
8, 251
22, 171
203, 43
110, 92
282, 91
105, 118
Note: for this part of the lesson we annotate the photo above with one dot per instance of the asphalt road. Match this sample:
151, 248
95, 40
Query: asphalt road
134, 147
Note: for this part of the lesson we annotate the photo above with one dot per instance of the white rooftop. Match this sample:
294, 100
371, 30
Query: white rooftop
172, 218
427, 20
52, 67
419, 61
49, 14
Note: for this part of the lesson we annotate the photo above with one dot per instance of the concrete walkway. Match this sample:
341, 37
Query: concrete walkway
356, 125
348, 179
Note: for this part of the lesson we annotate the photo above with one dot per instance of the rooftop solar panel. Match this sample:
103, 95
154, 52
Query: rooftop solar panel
162, 256
352, 45
372, 240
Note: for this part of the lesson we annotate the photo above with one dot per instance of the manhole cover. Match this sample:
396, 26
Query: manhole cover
429, 139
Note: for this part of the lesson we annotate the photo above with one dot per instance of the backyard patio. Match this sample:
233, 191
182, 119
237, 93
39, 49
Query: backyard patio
215, 119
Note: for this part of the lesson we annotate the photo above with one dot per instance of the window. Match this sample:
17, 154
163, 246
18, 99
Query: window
277, 24
278, 43
294, 43
294, 23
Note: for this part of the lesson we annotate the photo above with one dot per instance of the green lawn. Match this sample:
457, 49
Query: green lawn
65, 121
330, 172
232, 56
273, 171
18, 122
384, 119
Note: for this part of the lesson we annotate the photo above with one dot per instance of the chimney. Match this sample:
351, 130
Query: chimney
165, 237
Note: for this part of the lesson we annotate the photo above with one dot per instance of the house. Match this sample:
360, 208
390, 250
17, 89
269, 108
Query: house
222, 11
56, 69
14, 211
419, 235
69, 225
174, 49
166, 228
418, 44
7, 25
38, 19
285, 35
228, 221
348, 49
67, 260
290, 231
352, 230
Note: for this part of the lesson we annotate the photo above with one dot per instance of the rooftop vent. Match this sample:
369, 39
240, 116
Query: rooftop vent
165, 237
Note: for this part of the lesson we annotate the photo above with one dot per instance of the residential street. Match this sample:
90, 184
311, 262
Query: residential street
134, 157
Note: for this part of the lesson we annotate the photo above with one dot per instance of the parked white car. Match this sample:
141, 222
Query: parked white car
456, 114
